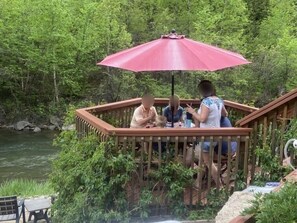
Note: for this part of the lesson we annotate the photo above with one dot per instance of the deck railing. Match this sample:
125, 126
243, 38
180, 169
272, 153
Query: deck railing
152, 148
270, 124
119, 114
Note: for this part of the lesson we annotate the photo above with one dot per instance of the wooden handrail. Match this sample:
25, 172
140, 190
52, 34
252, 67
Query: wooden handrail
111, 130
269, 107
158, 101
239, 106
190, 132
115, 105
94, 121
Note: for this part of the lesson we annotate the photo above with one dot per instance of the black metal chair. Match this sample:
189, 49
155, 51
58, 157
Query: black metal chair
12, 209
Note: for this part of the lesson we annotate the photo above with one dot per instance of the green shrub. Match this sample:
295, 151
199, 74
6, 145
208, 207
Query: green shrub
175, 177
215, 201
269, 160
25, 188
89, 178
277, 207
271, 169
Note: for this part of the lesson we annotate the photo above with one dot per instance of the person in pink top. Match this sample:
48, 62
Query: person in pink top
145, 114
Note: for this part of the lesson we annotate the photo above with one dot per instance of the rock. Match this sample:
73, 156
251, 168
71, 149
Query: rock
43, 127
36, 129
68, 127
21, 125
234, 206
9, 126
55, 121
52, 127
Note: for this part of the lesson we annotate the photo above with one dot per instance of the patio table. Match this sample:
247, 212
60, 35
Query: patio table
38, 208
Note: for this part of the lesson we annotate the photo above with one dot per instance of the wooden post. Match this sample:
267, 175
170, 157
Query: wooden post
283, 127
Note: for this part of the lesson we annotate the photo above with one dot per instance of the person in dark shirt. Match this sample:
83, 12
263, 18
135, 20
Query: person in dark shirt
174, 104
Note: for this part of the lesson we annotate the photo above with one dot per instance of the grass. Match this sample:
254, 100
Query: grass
25, 188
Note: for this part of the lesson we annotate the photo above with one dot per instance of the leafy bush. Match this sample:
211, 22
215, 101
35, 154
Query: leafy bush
89, 178
25, 188
215, 201
271, 167
176, 177
277, 207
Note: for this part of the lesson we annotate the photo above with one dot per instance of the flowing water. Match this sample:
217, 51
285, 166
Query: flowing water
26, 155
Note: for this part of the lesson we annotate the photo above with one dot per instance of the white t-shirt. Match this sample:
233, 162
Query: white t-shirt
141, 113
215, 106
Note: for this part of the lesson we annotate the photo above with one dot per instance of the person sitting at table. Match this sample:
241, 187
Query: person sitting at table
174, 105
226, 123
209, 115
145, 114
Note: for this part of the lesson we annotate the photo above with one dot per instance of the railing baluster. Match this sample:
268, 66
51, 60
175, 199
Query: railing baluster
122, 115
167, 148
150, 151
237, 159
133, 146
192, 166
229, 163
160, 152
219, 160
141, 161
185, 150
245, 166
210, 163
253, 150
125, 144
264, 131
273, 136
176, 148
200, 169
283, 127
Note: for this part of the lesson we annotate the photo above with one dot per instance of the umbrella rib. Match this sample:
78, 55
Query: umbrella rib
195, 55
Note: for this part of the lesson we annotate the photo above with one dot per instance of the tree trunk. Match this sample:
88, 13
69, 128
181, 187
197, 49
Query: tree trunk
55, 84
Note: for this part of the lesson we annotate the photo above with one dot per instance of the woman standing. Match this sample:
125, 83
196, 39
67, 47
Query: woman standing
209, 115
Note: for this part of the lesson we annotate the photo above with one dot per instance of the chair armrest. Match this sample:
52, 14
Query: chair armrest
20, 202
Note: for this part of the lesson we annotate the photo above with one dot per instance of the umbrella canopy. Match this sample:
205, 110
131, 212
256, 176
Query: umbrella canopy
174, 53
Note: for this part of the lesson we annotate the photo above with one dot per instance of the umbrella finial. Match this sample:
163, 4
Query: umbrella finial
172, 35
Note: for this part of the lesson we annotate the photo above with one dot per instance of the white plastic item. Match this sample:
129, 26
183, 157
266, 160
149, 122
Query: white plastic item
294, 142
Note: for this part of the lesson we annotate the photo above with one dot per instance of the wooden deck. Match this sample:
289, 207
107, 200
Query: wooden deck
153, 149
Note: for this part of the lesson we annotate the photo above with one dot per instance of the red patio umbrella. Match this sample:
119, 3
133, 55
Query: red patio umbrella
174, 53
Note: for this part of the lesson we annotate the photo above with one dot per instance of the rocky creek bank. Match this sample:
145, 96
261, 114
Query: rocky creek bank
53, 123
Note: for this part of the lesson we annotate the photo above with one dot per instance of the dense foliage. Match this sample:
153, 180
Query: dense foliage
267, 153
215, 201
89, 178
49, 49
276, 207
91, 181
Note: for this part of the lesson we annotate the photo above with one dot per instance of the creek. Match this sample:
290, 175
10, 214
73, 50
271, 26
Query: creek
26, 154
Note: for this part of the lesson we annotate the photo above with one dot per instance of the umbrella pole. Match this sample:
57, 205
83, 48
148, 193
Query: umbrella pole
172, 94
